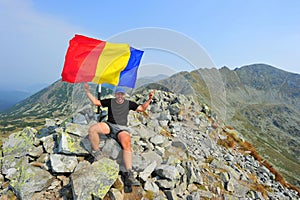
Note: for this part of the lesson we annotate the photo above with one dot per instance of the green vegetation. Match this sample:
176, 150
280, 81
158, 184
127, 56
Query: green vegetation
54, 101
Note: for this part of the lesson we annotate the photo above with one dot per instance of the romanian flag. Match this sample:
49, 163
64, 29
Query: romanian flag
92, 60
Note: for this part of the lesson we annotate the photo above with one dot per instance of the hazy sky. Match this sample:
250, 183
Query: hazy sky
35, 34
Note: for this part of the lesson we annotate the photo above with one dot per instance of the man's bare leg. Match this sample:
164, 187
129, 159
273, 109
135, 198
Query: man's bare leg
124, 139
94, 132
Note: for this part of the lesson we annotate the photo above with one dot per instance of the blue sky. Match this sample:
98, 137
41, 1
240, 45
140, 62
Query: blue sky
233, 33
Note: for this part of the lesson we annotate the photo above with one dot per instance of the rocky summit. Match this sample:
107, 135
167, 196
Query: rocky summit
180, 151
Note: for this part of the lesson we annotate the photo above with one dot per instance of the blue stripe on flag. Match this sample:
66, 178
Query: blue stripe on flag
129, 74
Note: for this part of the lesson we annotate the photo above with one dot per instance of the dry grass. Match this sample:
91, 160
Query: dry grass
166, 133
227, 143
149, 195
245, 146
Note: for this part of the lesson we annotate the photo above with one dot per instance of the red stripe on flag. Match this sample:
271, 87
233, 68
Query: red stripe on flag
81, 59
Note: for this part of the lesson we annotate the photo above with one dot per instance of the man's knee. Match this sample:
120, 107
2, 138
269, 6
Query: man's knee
93, 129
100, 128
125, 140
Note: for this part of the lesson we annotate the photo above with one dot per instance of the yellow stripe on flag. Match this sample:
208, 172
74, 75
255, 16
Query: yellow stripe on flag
112, 61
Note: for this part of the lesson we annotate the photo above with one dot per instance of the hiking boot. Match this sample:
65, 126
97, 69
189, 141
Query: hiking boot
129, 179
98, 155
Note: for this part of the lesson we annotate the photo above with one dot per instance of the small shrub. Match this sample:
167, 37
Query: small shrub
227, 143
149, 195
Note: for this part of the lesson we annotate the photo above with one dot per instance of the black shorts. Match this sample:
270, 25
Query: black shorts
115, 129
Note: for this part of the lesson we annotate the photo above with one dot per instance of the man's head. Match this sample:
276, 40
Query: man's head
120, 95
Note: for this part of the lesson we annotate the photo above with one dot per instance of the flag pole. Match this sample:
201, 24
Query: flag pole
99, 111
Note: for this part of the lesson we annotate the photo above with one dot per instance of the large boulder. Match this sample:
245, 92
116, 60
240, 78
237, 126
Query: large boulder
70, 144
63, 163
94, 180
19, 143
29, 180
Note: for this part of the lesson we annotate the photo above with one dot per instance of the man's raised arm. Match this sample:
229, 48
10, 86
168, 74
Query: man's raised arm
93, 99
145, 105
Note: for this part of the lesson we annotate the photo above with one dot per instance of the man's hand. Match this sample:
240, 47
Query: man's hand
151, 94
143, 107
86, 87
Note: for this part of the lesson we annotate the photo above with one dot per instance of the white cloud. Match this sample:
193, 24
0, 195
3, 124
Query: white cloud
33, 44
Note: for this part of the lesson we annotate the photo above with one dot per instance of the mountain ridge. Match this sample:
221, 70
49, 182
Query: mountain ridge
232, 94
238, 97
180, 151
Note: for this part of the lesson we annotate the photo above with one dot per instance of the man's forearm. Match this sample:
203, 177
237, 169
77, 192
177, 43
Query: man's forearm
93, 99
146, 104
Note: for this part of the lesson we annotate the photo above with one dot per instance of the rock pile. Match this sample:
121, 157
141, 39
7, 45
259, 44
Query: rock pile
176, 156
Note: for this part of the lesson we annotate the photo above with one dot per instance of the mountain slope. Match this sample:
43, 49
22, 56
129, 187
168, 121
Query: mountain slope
52, 101
260, 101
179, 152
9, 98
149, 79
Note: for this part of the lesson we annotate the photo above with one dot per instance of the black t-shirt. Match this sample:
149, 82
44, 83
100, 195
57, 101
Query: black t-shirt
117, 113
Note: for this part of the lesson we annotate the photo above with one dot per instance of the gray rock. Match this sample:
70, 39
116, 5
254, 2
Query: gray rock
50, 122
170, 194
63, 163
229, 186
193, 196
49, 143
112, 149
76, 129
151, 156
160, 150
180, 169
193, 173
81, 165
163, 123
197, 121
165, 184
180, 118
165, 115
153, 125
157, 139
79, 119
228, 157
35, 151
254, 195
139, 163
145, 132
239, 189
147, 171
263, 170
87, 111
11, 166
19, 143
176, 127
173, 160
167, 171
151, 186
205, 194
190, 163
94, 180
70, 144
43, 133
155, 108
180, 144
225, 177
30, 180
174, 109
43, 158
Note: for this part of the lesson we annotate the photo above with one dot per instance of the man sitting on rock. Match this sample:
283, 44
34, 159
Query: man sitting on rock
116, 125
